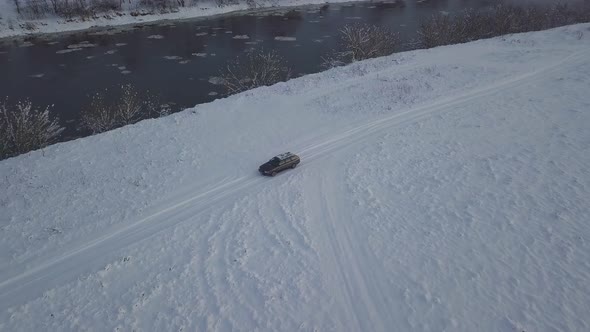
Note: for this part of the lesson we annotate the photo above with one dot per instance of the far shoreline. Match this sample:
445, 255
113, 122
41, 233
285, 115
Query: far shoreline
127, 26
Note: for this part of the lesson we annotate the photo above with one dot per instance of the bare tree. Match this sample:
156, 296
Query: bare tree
24, 128
17, 5
254, 69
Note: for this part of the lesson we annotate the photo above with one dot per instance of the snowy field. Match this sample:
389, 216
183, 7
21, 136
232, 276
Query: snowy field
13, 25
439, 190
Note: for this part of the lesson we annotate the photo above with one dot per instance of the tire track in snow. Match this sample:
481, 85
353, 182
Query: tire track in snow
348, 267
35, 281
364, 279
333, 274
220, 274
438, 106
228, 272
26, 284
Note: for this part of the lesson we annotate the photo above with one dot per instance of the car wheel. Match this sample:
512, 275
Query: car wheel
294, 165
273, 173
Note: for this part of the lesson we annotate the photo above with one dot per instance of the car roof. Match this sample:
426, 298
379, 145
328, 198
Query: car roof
285, 155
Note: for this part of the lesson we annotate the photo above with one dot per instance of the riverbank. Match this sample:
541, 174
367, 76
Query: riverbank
178, 62
12, 25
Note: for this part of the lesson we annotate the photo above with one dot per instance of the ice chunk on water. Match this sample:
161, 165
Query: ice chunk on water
284, 38
216, 80
68, 50
81, 45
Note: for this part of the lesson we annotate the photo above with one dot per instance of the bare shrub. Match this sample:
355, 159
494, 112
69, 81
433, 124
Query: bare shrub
584, 12
130, 106
254, 69
251, 3
223, 3
439, 30
293, 14
500, 20
154, 108
34, 9
54, 5
332, 60
362, 41
100, 116
470, 25
75, 8
559, 15
533, 19
159, 5
24, 128
30, 26
100, 6
70, 9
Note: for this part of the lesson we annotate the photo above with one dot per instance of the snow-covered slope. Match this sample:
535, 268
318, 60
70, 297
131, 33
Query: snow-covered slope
443, 189
12, 24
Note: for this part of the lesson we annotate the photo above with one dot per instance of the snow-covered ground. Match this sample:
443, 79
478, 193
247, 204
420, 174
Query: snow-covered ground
442, 189
12, 24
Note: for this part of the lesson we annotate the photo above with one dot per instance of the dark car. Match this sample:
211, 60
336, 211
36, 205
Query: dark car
279, 163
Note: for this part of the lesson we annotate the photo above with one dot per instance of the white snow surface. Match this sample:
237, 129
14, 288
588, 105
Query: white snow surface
13, 25
439, 190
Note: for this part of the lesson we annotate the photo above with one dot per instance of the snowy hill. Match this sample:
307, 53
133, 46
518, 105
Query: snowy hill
442, 189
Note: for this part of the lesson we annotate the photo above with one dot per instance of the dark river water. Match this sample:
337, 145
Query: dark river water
175, 60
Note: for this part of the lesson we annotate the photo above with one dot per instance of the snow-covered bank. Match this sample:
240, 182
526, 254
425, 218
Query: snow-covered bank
13, 25
441, 189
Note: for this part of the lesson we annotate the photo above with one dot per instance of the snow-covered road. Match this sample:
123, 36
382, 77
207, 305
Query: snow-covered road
439, 189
